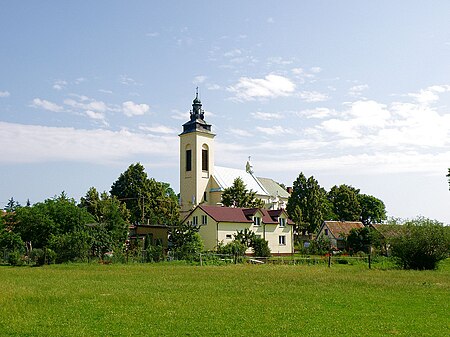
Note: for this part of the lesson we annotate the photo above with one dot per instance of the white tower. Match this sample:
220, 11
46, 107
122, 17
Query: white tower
196, 158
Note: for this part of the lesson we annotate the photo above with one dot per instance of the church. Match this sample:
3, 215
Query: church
202, 184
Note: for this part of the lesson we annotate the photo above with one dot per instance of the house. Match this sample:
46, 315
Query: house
337, 231
157, 234
387, 232
219, 225
202, 182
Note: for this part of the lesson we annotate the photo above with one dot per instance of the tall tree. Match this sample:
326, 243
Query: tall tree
109, 213
145, 198
372, 209
12, 205
237, 195
448, 176
307, 204
344, 199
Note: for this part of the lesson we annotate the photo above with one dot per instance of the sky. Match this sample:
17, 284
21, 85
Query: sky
350, 92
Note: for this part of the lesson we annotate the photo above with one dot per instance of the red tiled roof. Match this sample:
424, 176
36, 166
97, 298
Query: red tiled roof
342, 228
226, 214
242, 215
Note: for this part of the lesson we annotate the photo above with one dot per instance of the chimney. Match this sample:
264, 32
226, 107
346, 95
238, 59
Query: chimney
289, 190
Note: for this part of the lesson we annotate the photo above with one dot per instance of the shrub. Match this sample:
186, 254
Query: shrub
421, 244
15, 258
260, 247
234, 248
42, 256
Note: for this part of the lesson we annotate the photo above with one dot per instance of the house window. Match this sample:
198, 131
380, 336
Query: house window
205, 159
228, 237
204, 220
188, 160
256, 221
282, 240
282, 222
195, 220
326, 231
205, 196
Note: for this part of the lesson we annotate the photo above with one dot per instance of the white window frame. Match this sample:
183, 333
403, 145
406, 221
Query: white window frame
256, 221
204, 220
282, 240
282, 222
228, 236
195, 220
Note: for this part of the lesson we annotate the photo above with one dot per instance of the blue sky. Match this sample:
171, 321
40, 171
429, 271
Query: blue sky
352, 92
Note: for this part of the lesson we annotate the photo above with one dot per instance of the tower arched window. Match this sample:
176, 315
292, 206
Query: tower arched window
188, 158
205, 159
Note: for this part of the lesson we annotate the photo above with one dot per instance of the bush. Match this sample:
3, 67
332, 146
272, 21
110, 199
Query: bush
42, 256
15, 258
260, 247
233, 248
421, 244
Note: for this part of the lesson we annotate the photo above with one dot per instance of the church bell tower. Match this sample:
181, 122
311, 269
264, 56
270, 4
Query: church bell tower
196, 158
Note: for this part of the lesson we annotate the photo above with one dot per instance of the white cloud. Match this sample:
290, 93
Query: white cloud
133, 109
4, 94
266, 116
318, 113
97, 116
126, 80
59, 85
430, 94
213, 87
270, 20
34, 143
159, 129
105, 91
297, 71
356, 90
233, 53
273, 130
269, 87
316, 70
199, 79
313, 96
152, 34
46, 105
86, 103
240, 132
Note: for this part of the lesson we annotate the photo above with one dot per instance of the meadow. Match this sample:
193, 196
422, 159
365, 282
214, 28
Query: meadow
172, 299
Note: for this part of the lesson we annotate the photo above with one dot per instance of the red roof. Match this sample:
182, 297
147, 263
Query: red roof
342, 228
242, 215
226, 214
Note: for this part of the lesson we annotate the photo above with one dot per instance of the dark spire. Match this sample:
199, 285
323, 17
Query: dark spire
197, 120
197, 112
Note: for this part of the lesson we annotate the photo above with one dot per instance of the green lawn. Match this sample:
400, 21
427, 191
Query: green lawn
232, 300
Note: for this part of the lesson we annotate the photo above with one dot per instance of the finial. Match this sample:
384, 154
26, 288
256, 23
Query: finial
196, 92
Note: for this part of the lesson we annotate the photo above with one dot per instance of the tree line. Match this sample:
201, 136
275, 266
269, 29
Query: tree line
310, 204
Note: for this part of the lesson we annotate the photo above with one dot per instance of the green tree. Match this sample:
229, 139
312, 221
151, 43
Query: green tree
185, 242
307, 204
372, 209
12, 205
422, 244
362, 239
108, 213
145, 198
237, 195
245, 236
448, 176
344, 199
260, 247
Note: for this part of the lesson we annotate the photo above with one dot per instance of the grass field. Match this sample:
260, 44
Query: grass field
233, 300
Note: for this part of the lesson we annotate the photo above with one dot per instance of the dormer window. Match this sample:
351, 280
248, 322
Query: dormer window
282, 222
256, 221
